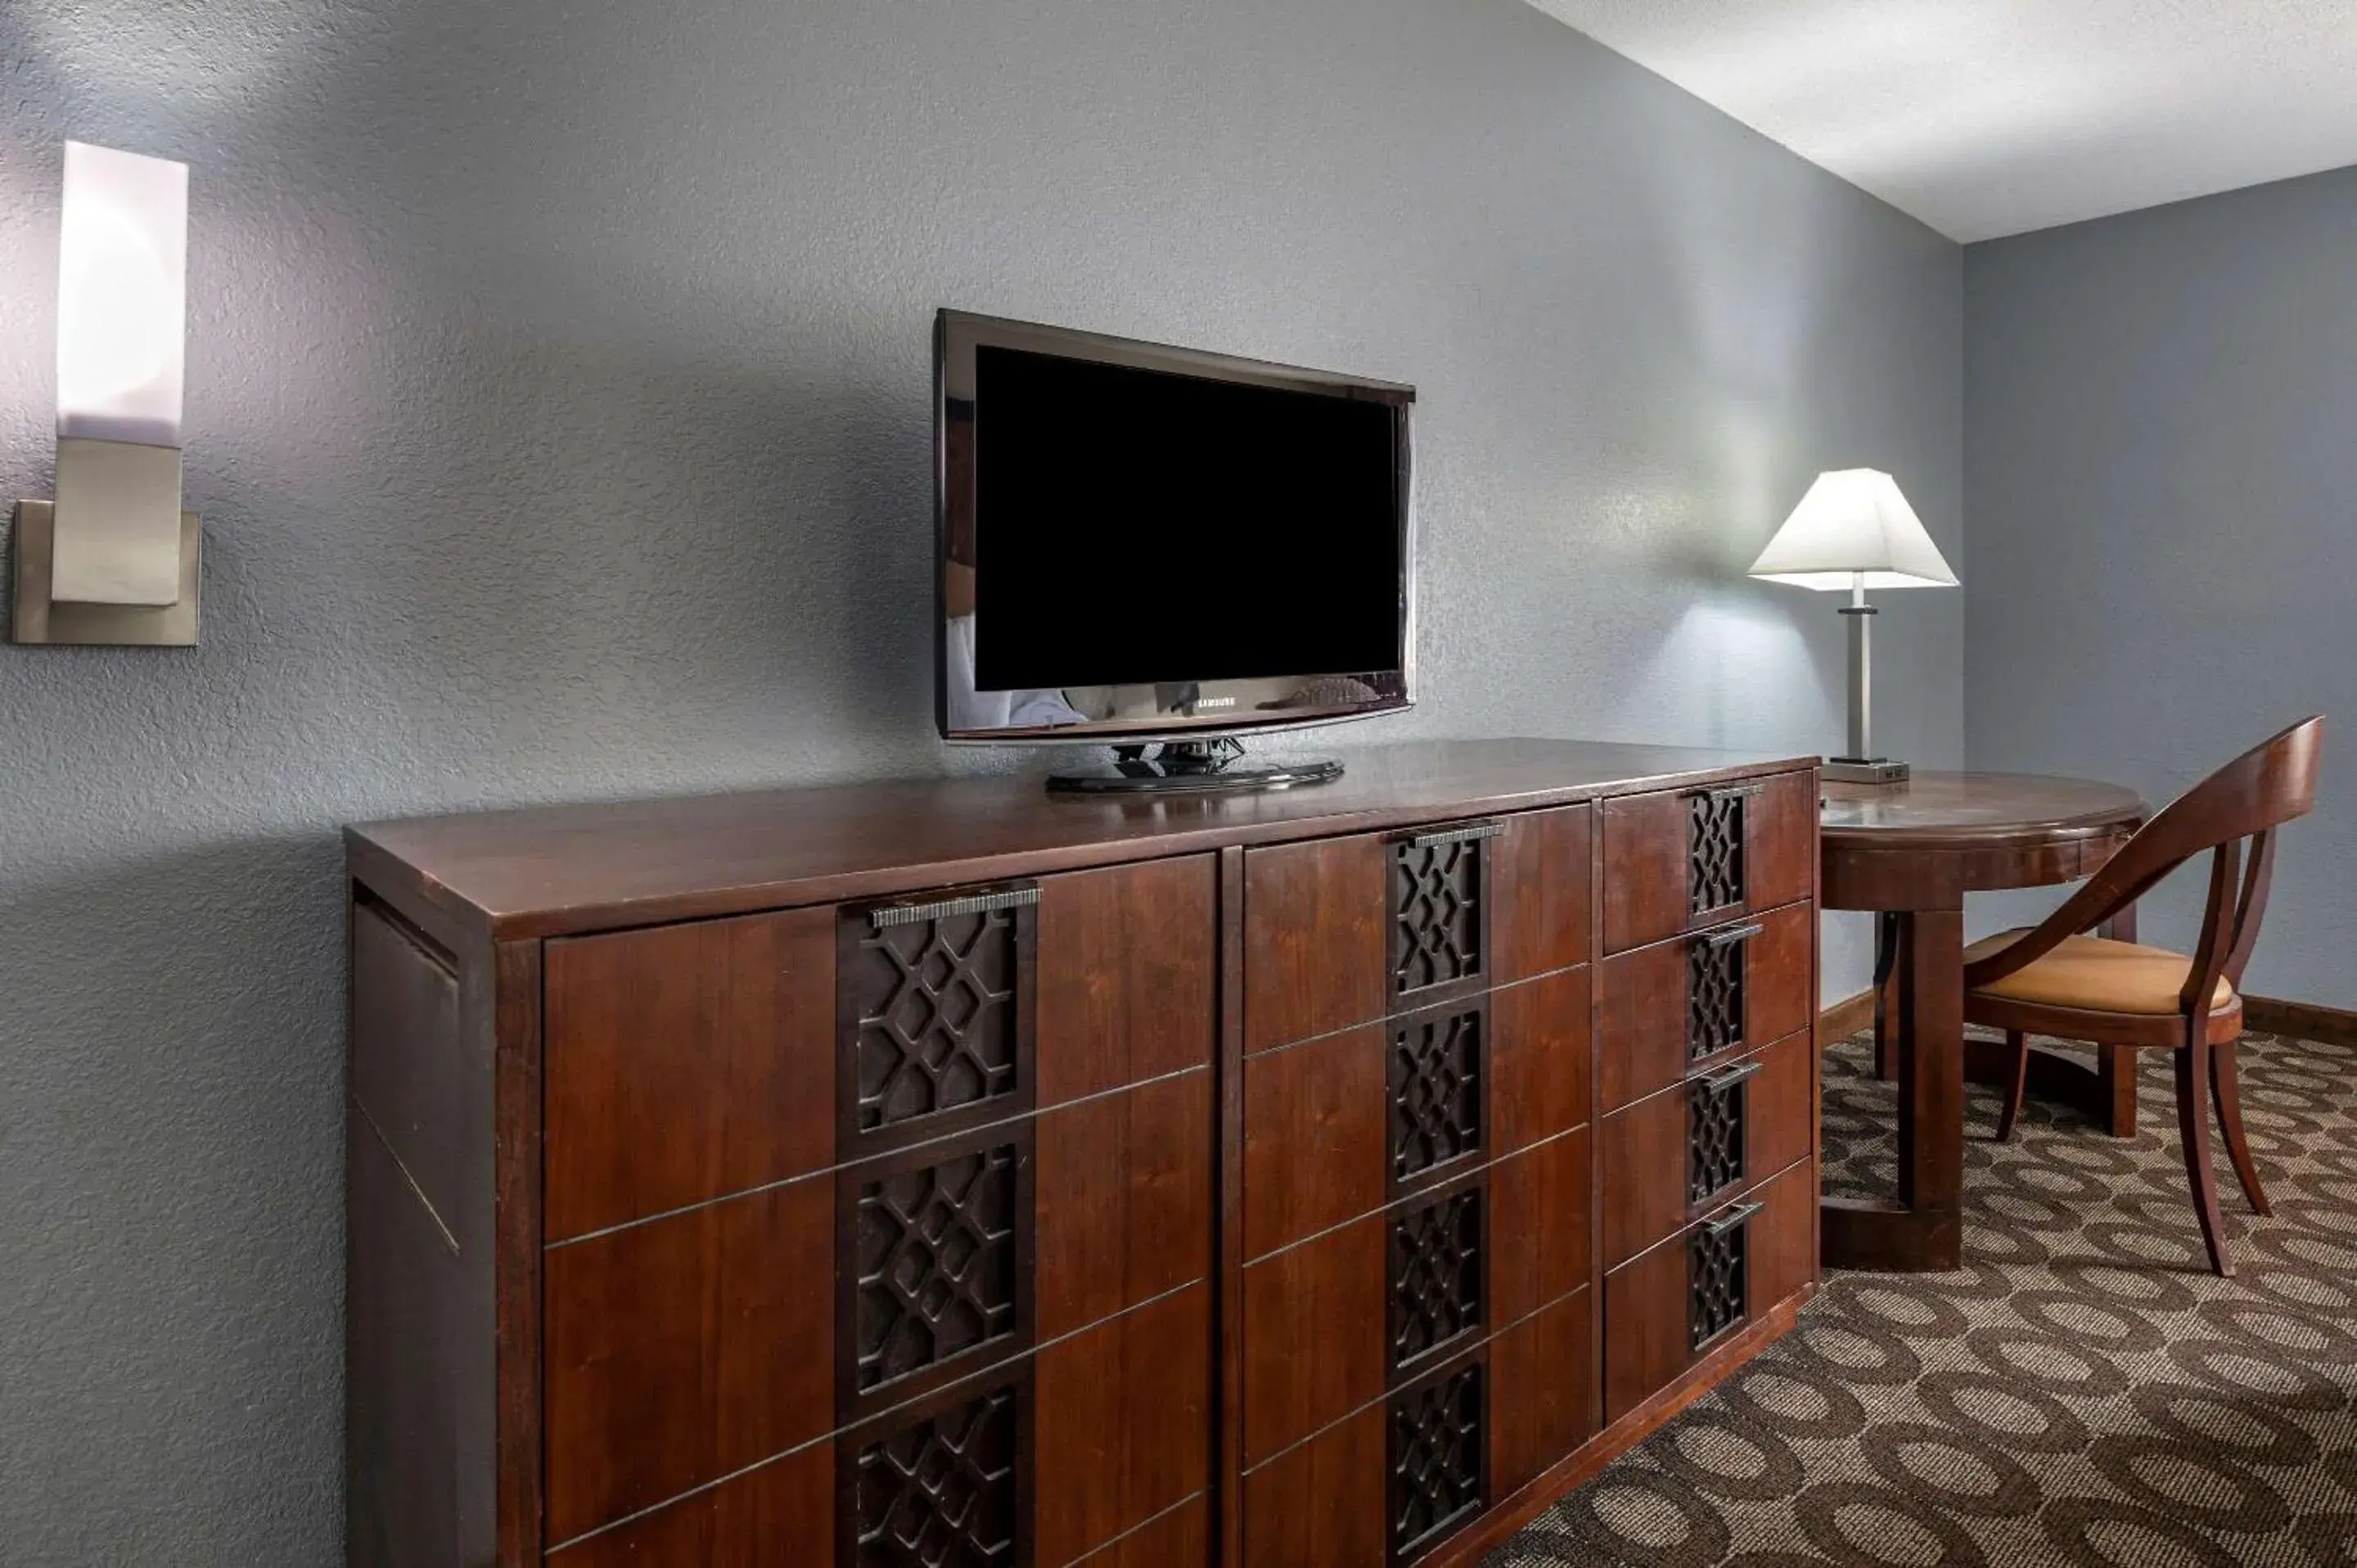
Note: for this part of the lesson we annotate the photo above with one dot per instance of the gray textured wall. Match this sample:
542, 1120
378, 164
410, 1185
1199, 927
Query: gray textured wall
2161, 417
558, 412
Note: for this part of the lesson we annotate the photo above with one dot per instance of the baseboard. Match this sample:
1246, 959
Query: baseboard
2302, 1020
1851, 1013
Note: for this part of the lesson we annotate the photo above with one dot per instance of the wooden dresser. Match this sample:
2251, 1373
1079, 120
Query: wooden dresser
940, 1173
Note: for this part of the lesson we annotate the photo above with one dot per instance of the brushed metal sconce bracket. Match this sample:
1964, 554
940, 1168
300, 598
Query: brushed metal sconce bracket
38, 619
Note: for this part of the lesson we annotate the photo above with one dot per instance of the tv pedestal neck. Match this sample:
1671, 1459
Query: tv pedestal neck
1185, 767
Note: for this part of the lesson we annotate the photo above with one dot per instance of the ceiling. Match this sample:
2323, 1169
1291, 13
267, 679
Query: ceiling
1992, 117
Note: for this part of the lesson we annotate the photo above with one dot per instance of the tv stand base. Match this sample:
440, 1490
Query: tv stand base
1188, 767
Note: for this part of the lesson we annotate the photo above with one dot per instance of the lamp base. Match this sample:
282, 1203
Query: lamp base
1863, 770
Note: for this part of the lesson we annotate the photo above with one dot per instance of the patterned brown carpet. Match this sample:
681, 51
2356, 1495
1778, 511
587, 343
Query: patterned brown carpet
2083, 1391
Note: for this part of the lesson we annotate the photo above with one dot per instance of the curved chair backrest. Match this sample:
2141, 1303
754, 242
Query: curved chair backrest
2248, 798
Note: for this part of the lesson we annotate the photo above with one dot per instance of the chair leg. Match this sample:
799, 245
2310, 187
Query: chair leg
2225, 1086
2193, 1123
2017, 1083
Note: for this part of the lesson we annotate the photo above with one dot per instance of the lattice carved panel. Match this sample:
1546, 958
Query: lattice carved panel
937, 1258
1439, 910
1438, 1448
944, 1491
1716, 1277
933, 1008
1438, 1077
1715, 1127
1715, 977
1436, 1274
1714, 852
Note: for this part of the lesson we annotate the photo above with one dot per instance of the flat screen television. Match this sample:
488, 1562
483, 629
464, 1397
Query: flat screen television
1147, 544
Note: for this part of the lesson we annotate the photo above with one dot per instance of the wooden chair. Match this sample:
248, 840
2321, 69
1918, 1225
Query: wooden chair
2059, 980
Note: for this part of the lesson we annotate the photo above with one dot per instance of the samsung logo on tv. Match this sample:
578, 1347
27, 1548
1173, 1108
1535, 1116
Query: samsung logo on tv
1215, 702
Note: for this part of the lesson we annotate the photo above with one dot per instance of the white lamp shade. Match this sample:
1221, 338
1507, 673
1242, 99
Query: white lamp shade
123, 248
1854, 525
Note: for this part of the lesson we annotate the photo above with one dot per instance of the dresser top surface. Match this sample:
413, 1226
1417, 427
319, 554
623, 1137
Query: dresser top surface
558, 870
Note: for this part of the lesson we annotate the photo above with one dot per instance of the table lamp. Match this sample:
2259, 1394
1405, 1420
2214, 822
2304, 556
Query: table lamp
1854, 531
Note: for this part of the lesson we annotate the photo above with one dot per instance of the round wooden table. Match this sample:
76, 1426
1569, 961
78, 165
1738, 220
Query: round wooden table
1909, 852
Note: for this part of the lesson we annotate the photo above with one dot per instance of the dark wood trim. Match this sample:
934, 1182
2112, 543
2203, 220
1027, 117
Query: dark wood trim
1850, 1015
1510, 1514
2300, 1020
1227, 1435
509, 1034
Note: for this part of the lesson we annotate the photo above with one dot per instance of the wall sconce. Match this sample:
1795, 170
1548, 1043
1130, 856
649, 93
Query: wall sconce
113, 558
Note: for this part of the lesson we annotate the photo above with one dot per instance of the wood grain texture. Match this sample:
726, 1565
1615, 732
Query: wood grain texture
549, 870
1645, 1332
1780, 841
1783, 1112
1641, 1023
1323, 1504
1124, 1423
1782, 1251
1779, 988
1123, 1196
1541, 1058
1641, 1160
1228, 1405
1314, 926
685, 1063
1542, 882
1179, 1538
501, 1014
1540, 1244
1316, 1136
1644, 869
686, 1348
1542, 1391
404, 1298
755, 1520
1313, 1335
1128, 960
1642, 1032
411, 1070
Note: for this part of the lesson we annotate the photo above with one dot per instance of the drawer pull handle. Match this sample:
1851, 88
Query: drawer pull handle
1732, 1217
1457, 836
943, 909
1719, 1083
1736, 792
1731, 936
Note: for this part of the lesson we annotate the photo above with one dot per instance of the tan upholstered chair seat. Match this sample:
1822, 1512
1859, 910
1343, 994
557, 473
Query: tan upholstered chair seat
2096, 974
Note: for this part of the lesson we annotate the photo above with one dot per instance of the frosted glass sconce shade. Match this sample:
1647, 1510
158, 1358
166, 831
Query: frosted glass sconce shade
122, 250
113, 559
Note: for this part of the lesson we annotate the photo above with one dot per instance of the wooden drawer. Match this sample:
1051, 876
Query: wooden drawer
1123, 1425
686, 1062
1539, 1226
1124, 1200
1129, 969
1337, 1126
1677, 860
1385, 1487
1668, 1307
1699, 1000
1543, 1403
1692, 1147
1341, 932
684, 1349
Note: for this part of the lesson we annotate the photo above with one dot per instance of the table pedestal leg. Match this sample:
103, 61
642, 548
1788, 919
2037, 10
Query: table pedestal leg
1923, 1229
1886, 994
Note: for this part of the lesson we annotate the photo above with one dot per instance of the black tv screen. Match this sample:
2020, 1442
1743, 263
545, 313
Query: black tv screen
1144, 541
